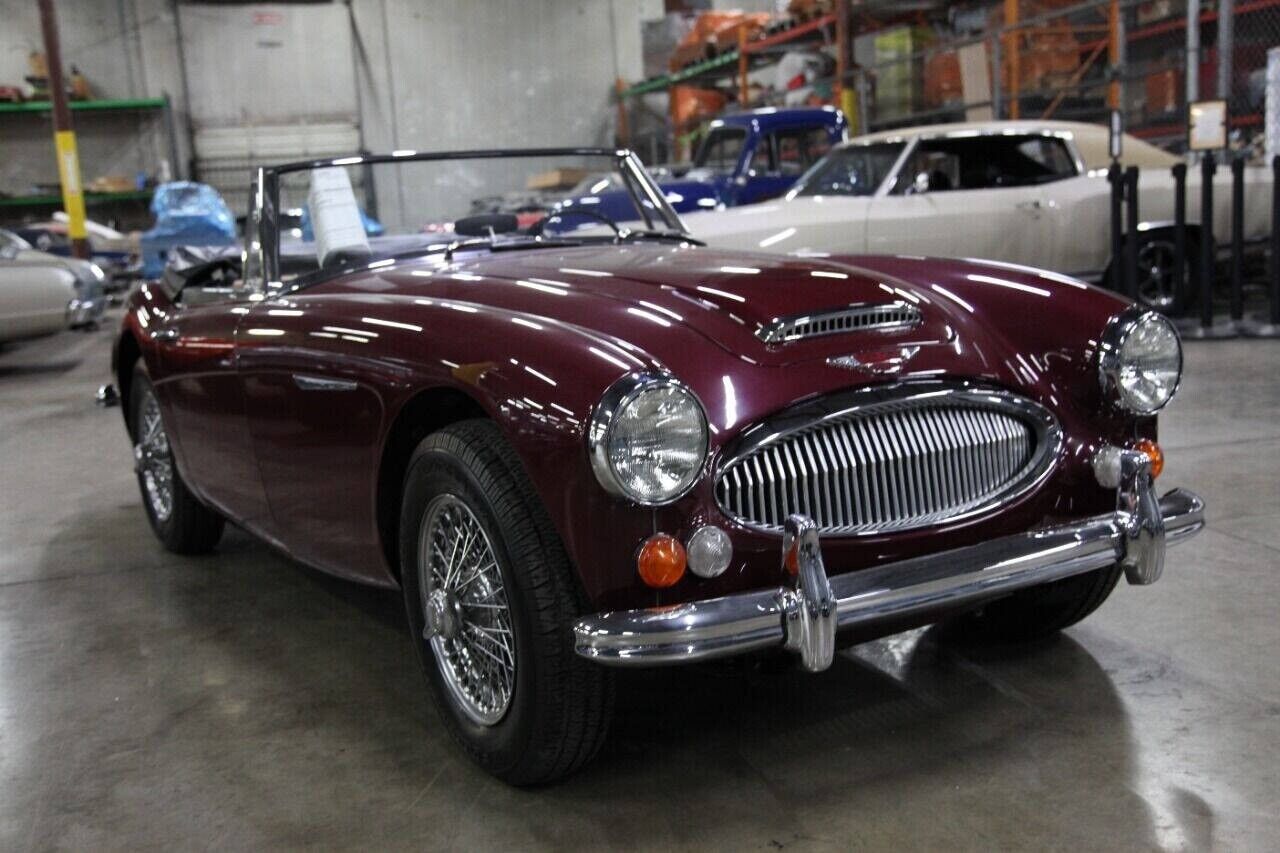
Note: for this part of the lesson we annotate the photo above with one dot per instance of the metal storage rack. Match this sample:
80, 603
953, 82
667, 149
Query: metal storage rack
14, 207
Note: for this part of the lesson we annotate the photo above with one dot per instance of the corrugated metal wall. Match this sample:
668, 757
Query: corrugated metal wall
268, 63
403, 74
456, 74
268, 83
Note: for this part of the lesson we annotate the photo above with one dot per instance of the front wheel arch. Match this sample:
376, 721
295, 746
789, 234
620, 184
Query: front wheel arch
126, 355
428, 411
1165, 233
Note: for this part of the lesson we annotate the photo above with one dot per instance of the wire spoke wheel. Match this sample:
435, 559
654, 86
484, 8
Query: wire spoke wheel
466, 614
1156, 285
153, 459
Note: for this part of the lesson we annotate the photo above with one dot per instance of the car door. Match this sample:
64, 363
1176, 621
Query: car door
780, 157
969, 196
33, 296
315, 420
199, 389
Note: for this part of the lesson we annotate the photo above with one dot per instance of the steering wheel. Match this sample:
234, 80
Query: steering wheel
538, 227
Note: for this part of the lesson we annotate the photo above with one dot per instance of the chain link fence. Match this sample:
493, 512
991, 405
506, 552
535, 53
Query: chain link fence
1048, 59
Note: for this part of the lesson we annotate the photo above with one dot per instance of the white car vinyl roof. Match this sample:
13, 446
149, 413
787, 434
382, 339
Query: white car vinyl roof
1090, 139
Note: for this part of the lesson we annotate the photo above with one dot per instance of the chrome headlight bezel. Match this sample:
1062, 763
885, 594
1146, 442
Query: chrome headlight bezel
1111, 361
614, 401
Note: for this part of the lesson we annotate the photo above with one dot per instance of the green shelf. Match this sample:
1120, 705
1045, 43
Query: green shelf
88, 106
89, 199
657, 84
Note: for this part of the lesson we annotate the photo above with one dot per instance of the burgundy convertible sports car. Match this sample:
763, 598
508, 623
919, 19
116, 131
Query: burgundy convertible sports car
589, 444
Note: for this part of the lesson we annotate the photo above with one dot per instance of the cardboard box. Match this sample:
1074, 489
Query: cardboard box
556, 179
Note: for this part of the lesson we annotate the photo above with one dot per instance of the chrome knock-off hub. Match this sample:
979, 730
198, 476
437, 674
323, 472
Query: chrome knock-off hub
443, 615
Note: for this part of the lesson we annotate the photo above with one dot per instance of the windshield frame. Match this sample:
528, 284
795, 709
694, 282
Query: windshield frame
699, 161
13, 240
261, 255
908, 145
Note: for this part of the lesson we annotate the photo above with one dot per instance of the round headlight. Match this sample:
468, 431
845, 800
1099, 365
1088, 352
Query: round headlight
1141, 361
648, 439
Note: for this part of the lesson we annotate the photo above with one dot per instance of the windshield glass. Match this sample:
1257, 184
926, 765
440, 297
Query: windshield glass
853, 170
356, 212
9, 240
721, 150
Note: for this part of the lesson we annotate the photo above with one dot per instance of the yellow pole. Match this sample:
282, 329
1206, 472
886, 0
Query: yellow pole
64, 138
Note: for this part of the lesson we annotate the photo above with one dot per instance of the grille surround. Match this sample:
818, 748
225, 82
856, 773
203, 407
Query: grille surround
862, 317
857, 478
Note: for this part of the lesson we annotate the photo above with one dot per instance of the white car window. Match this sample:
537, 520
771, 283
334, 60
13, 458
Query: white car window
987, 162
853, 170
9, 240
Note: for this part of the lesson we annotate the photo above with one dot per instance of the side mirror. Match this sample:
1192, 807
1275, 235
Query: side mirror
921, 184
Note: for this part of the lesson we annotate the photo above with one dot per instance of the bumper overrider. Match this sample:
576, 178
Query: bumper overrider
805, 616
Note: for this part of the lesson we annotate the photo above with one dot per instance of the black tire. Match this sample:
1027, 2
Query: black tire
1158, 291
1038, 612
188, 527
559, 706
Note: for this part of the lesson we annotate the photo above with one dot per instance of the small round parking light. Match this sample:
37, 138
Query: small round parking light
661, 561
1154, 453
709, 551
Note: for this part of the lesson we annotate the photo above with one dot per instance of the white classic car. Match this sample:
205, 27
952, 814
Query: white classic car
41, 294
1025, 192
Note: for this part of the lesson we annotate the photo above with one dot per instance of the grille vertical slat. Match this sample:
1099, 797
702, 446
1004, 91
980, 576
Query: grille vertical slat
906, 463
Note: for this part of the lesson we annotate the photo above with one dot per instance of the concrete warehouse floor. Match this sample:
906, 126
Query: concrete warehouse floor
241, 700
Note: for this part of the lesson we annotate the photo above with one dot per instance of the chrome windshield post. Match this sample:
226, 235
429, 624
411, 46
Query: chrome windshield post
810, 611
1140, 520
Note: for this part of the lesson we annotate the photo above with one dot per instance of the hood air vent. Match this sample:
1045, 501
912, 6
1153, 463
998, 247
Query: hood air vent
854, 318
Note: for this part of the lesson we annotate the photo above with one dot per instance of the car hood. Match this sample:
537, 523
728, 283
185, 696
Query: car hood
690, 194
636, 291
82, 269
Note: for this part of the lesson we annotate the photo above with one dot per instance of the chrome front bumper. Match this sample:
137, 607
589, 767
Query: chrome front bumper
805, 617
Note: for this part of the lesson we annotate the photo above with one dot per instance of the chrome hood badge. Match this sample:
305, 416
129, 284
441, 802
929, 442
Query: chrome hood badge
885, 362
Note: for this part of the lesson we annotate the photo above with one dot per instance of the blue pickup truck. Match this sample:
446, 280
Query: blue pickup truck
744, 158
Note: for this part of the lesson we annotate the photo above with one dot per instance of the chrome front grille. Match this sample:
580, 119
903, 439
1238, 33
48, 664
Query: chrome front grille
854, 318
888, 460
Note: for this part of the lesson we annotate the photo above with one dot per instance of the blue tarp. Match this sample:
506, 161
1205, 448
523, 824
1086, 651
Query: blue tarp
187, 214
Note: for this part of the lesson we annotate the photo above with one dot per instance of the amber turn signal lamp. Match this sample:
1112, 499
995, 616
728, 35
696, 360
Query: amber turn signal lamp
1154, 453
661, 561
791, 562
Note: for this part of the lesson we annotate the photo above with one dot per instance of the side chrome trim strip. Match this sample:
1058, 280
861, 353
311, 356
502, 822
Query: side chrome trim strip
322, 383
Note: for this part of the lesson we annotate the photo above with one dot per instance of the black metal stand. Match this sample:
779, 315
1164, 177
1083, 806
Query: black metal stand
1268, 325
1115, 177
1180, 234
1206, 329
1131, 244
1237, 241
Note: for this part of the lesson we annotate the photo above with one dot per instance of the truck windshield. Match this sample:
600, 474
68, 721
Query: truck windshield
721, 150
853, 170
